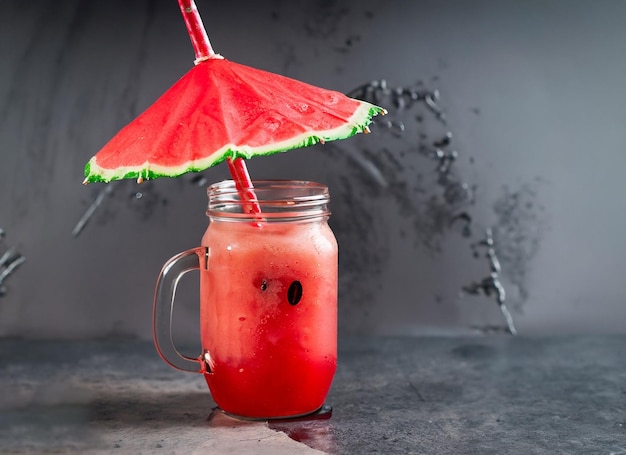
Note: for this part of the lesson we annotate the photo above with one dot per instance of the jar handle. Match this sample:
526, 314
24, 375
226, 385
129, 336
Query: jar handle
164, 296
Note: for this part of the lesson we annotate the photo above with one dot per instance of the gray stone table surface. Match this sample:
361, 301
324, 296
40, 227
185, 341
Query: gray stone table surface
426, 395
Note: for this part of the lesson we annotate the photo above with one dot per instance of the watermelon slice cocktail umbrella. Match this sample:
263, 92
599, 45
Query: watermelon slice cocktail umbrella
224, 111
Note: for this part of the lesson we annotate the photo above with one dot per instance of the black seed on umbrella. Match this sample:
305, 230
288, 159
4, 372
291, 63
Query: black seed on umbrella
294, 293
263, 285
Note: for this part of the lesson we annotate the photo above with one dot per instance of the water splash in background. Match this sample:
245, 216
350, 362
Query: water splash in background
142, 200
10, 260
521, 223
436, 198
491, 283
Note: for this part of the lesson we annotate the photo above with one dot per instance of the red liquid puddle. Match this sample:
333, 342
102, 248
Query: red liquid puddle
313, 430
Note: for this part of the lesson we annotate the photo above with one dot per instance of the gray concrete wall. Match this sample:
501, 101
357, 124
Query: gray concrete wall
532, 91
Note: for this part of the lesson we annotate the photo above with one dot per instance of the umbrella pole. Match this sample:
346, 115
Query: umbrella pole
195, 28
204, 51
243, 183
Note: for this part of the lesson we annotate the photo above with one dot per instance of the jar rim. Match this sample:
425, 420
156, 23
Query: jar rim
229, 185
279, 200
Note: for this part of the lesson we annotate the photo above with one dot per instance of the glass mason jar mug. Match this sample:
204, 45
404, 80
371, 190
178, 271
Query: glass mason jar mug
268, 300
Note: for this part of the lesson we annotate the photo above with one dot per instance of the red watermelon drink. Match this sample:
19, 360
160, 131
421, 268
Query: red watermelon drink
269, 302
268, 265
